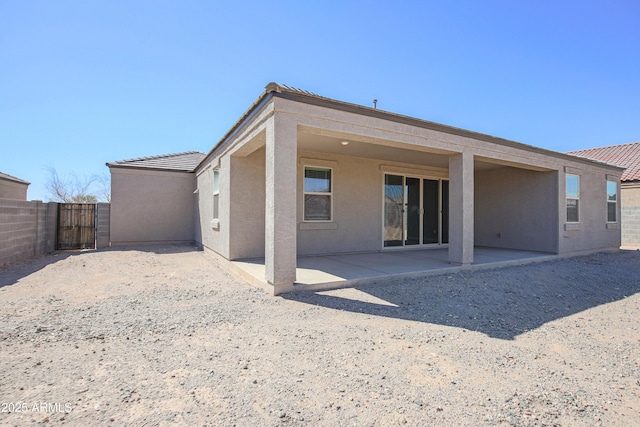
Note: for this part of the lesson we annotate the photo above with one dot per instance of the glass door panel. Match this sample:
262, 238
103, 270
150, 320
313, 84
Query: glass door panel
393, 210
445, 211
412, 211
416, 211
431, 217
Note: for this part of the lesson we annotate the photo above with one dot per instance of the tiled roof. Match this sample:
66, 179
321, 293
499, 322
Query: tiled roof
8, 177
624, 155
184, 162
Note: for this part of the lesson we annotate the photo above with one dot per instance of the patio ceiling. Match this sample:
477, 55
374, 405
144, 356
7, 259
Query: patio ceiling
378, 150
371, 150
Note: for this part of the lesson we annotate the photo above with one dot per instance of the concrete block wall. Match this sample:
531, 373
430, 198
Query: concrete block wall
27, 229
103, 220
631, 226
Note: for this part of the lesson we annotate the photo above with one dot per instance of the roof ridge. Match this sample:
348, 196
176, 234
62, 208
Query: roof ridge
279, 87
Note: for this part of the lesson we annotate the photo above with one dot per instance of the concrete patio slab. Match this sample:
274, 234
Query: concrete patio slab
346, 270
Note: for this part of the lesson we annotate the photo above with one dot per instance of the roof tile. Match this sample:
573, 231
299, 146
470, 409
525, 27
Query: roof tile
184, 162
623, 155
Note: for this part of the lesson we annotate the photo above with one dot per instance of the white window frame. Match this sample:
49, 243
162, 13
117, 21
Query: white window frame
615, 202
312, 193
215, 211
567, 197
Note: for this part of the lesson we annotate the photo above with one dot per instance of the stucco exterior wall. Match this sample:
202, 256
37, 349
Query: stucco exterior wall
247, 207
214, 233
13, 190
523, 199
151, 206
630, 213
516, 209
357, 206
592, 232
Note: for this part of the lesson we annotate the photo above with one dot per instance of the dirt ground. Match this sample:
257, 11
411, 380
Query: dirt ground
167, 335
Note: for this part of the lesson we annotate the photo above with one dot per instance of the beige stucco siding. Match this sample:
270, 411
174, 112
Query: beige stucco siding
630, 194
357, 206
151, 206
13, 190
592, 232
515, 193
247, 228
516, 209
210, 232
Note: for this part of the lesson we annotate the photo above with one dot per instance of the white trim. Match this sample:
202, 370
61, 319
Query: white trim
609, 201
566, 197
215, 192
330, 194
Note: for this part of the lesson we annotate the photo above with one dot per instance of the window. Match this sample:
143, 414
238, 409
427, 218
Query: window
216, 193
317, 194
612, 200
573, 198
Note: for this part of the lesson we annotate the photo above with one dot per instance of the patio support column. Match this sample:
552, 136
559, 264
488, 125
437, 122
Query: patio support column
461, 208
280, 204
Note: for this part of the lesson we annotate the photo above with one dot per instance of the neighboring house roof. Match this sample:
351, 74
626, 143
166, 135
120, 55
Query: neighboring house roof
287, 92
182, 162
623, 155
8, 177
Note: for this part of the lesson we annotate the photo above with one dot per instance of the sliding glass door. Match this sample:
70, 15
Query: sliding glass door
416, 211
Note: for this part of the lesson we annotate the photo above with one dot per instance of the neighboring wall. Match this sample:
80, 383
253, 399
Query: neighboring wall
27, 229
630, 201
149, 206
13, 190
516, 209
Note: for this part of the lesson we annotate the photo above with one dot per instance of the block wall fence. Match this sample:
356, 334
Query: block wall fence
29, 228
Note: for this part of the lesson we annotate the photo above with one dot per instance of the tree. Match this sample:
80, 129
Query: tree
104, 187
73, 189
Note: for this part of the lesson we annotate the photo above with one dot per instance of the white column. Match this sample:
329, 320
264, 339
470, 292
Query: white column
461, 208
280, 206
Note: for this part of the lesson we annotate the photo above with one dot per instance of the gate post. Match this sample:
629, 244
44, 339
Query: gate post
103, 221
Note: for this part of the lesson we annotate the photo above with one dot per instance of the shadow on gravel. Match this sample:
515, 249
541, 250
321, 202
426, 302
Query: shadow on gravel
501, 303
11, 274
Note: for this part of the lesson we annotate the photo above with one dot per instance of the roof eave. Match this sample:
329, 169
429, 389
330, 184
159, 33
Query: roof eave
117, 166
276, 90
253, 108
15, 181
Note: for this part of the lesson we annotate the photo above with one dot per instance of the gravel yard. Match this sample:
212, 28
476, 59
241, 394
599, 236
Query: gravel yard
168, 335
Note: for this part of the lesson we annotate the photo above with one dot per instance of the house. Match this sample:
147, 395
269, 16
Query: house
152, 199
302, 175
626, 156
12, 187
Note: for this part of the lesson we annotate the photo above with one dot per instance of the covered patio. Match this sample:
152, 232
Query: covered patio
346, 270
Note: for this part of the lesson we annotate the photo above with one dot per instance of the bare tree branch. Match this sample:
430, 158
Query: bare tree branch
71, 188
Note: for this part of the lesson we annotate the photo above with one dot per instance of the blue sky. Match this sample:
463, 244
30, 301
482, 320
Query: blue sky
87, 82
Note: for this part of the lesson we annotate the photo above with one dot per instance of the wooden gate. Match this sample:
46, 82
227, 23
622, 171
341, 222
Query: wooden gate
76, 226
